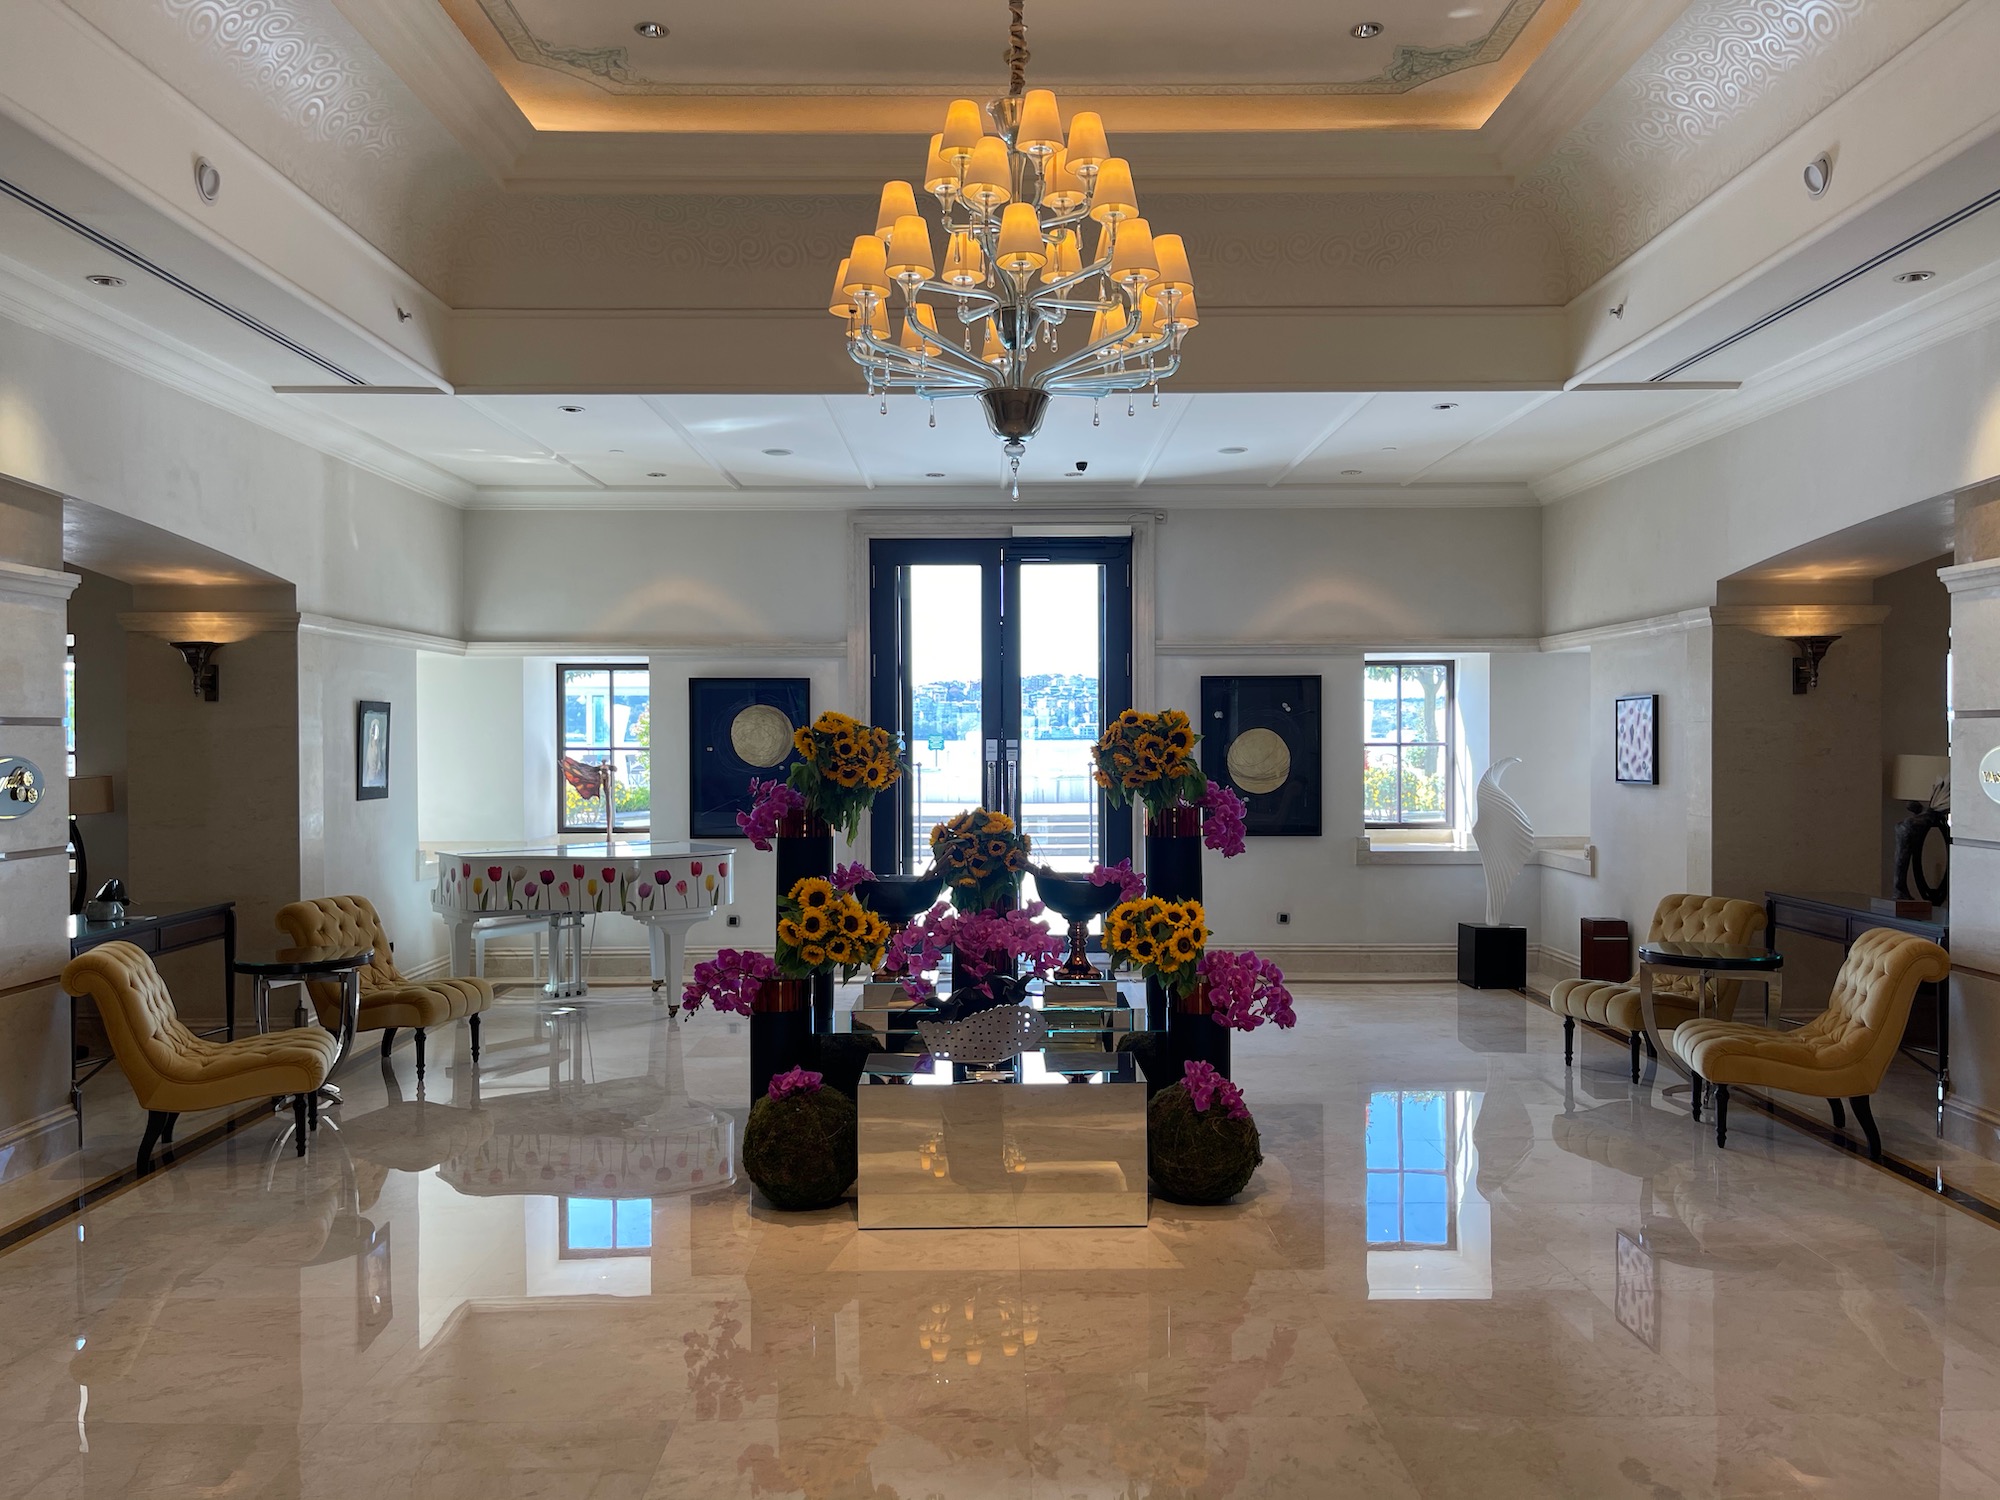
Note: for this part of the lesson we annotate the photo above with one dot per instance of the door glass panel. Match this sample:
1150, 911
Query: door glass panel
1061, 612
947, 644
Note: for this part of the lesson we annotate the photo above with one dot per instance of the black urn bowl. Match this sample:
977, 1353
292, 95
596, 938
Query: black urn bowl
1077, 899
900, 899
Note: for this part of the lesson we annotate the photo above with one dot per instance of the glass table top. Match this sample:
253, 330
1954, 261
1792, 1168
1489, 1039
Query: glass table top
1686, 955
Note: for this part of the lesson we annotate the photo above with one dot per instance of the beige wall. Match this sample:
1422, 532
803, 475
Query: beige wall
1916, 638
100, 717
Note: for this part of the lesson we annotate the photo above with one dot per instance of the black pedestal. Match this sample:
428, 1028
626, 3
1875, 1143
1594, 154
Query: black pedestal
1197, 1039
1492, 958
1173, 873
802, 858
779, 1042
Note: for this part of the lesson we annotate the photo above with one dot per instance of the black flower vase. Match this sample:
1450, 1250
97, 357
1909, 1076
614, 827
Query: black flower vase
780, 1031
805, 851
1194, 1035
1173, 873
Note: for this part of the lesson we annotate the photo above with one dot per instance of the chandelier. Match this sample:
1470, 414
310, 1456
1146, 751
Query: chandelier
1014, 203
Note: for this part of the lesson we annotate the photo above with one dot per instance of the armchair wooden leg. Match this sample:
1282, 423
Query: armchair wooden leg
1867, 1118
420, 1055
472, 1021
167, 1135
1839, 1114
312, 1111
388, 1041
1634, 1040
159, 1126
299, 1121
1721, 1115
1569, 1040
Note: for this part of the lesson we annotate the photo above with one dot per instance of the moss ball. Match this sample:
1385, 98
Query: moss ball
800, 1152
1194, 1157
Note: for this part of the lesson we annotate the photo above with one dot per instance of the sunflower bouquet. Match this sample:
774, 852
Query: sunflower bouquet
1163, 940
821, 928
842, 764
981, 856
1150, 757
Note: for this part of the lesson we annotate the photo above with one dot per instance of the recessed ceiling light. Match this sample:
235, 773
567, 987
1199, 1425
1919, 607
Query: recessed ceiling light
207, 179
1232, 450
101, 280
1909, 277
777, 453
1463, 13
1818, 175
1445, 406
1366, 30
1350, 471
569, 408
1389, 450
652, 31
938, 474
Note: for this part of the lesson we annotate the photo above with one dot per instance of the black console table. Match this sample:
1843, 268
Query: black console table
158, 927
1841, 917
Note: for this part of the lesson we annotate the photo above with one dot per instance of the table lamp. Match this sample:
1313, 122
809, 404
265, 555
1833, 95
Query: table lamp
87, 795
1924, 783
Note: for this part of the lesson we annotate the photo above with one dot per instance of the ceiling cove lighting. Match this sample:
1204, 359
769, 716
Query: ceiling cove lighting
1015, 203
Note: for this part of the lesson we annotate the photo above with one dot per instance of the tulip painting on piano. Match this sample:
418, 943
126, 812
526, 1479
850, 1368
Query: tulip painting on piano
666, 886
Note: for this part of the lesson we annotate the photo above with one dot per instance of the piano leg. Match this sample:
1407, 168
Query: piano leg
667, 937
461, 925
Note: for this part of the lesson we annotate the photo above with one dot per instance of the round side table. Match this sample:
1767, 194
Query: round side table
278, 965
1706, 961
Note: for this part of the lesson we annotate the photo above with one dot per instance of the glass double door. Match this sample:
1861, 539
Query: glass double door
1000, 661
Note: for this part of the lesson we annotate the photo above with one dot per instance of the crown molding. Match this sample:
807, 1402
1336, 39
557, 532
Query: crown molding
221, 625
666, 649
1057, 500
47, 307
1618, 630
380, 635
1350, 645
1961, 308
1974, 580
1788, 620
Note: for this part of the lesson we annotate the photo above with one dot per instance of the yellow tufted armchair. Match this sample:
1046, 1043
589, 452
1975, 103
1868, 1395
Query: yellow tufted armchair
389, 1001
1677, 919
173, 1070
1840, 1053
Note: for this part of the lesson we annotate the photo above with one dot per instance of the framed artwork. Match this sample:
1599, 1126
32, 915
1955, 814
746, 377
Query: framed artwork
1636, 753
739, 728
1260, 735
1636, 1297
371, 751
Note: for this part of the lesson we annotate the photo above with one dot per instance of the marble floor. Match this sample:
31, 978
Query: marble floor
1459, 1272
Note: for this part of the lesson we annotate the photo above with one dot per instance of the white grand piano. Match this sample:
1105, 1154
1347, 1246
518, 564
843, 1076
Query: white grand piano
666, 886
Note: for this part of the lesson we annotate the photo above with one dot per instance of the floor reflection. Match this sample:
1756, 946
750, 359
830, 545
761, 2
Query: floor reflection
1459, 1272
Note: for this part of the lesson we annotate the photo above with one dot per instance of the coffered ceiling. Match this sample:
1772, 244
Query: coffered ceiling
886, 65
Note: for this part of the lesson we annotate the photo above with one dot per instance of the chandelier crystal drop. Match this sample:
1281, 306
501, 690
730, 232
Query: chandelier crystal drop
1037, 320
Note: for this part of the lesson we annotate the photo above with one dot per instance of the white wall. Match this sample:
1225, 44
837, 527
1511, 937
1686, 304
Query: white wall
467, 727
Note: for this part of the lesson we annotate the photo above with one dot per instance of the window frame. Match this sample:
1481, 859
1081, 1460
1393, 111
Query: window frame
614, 1251
1448, 745
563, 669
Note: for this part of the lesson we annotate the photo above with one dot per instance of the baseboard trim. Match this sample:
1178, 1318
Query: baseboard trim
1972, 1126
35, 1143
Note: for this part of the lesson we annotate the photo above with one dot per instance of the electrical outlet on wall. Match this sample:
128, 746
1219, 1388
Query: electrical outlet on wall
1284, 919
734, 921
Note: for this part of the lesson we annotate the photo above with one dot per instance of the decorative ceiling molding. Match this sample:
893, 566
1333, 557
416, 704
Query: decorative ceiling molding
611, 69
1722, 86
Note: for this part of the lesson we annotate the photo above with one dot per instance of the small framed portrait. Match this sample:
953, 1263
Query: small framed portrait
371, 751
1636, 752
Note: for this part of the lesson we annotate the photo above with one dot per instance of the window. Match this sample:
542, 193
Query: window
1408, 1157
1407, 714
605, 716
597, 1228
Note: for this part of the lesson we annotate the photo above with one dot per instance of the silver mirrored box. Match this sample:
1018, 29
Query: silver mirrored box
1049, 1139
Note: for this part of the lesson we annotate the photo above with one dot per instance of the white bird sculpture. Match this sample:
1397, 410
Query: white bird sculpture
1505, 838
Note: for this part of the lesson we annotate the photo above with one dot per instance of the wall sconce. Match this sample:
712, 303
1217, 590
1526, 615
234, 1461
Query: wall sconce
200, 657
1805, 666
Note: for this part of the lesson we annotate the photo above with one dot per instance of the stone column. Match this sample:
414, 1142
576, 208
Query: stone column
36, 1125
1972, 1113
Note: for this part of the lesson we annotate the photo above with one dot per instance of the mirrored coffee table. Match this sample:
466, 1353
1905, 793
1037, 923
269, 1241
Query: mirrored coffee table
1047, 1139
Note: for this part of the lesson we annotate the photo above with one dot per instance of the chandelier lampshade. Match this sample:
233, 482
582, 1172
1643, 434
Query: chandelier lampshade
1013, 191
